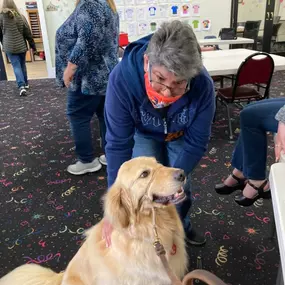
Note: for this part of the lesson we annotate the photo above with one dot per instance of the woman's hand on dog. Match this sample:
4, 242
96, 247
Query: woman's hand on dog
107, 232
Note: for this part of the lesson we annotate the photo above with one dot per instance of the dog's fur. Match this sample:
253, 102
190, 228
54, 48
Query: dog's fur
131, 259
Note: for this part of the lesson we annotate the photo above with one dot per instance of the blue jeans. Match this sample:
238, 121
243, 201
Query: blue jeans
250, 152
80, 110
166, 153
18, 62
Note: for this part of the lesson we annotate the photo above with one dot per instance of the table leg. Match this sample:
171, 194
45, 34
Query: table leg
280, 280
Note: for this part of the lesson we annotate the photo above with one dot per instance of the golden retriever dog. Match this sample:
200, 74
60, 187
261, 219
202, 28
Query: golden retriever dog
142, 185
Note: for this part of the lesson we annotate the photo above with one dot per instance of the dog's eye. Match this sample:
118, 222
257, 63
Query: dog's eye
145, 174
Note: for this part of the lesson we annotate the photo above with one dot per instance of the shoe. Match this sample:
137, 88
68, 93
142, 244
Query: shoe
103, 159
27, 86
23, 91
80, 168
223, 189
194, 238
246, 202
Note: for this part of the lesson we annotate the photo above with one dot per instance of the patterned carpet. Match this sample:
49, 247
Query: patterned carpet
44, 210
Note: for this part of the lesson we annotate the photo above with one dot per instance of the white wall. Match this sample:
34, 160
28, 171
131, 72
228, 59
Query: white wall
217, 11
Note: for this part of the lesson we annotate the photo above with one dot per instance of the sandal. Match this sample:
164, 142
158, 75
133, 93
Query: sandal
223, 189
246, 202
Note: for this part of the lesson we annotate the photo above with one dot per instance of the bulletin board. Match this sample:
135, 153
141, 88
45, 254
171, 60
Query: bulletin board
142, 17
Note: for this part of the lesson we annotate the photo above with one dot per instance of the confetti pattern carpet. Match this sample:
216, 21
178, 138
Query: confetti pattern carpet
44, 210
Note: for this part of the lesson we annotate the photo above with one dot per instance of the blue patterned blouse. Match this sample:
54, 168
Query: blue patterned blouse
89, 39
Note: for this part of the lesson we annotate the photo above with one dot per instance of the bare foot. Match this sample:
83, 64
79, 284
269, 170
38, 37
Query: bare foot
230, 181
250, 192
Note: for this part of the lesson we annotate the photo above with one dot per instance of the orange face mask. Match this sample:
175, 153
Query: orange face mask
158, 101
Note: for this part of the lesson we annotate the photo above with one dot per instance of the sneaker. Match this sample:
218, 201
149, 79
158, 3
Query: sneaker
23, 91
103, 159
80, 168
194, 238
27, 86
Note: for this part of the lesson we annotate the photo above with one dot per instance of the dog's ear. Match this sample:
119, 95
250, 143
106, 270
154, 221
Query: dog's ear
118, 206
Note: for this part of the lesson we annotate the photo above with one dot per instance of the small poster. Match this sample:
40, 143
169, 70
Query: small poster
163, 11
185, 10
130, 2
141, 14
143, 28
174, 10
196, 25
206, 25
132, 29
119, 2
153, 26
151, 1
129, 14
121, 13
152, 11
196, 10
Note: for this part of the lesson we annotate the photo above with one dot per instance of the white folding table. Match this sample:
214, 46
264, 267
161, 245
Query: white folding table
277, 186
238, 41
225, 62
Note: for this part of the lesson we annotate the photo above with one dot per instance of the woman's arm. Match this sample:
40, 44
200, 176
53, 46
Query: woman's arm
28, 34
89, 27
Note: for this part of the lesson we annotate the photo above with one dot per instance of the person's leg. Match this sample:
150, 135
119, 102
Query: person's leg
100, 115
174, 148
148, 147
15, 60
80, 110
24, 67
263, 122
256, 120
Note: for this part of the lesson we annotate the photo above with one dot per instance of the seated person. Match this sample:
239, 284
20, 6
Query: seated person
249, 156
160, 103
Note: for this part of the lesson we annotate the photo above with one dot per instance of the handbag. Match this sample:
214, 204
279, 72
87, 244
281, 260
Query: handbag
227, 34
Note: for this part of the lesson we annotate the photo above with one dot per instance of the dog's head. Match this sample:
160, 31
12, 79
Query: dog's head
142, 183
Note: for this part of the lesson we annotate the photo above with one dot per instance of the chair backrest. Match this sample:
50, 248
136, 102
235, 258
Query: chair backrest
212, 37
276, 28
251, 29
255, 69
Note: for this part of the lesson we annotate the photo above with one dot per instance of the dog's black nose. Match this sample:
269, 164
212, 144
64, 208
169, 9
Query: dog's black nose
179, 175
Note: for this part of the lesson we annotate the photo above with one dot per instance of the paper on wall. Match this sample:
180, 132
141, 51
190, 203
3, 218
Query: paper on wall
119, 2
130, 2
163, 9
196, 25
153, 26
121, 13
132, 29
143, 28
185, 10
174, 10
141, 14
196, 10
129, 14
206, 25
152, 11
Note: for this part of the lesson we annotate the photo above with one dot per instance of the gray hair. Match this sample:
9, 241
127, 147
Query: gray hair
174, 46
8, 5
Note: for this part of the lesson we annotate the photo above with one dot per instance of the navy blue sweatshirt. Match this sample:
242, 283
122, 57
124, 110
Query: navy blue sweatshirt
128, 110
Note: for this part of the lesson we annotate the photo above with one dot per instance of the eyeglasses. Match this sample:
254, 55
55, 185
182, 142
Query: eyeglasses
175, 91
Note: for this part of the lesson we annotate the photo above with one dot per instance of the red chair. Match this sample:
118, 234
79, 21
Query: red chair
254, 73
123, 42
